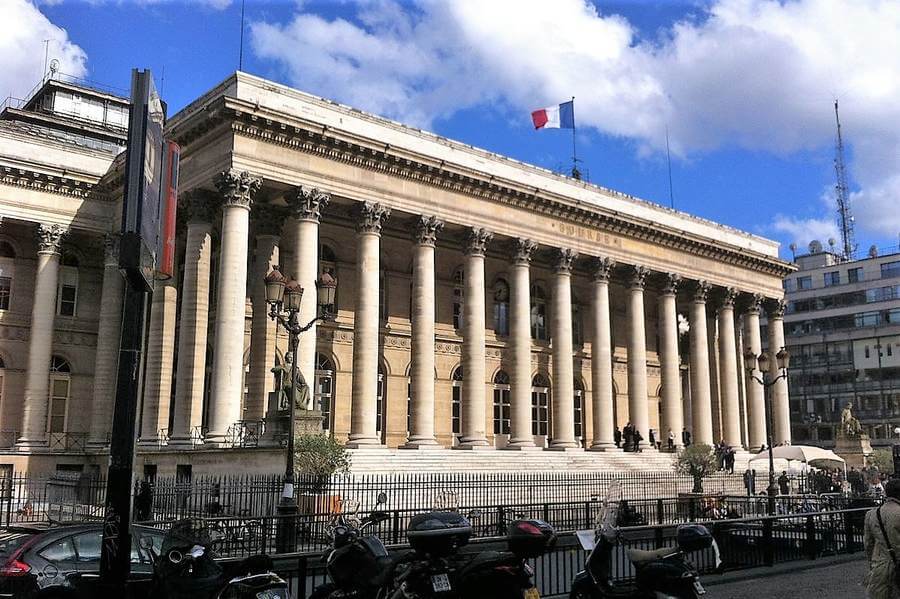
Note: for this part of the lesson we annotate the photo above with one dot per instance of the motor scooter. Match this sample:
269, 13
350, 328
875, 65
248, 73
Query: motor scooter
663, 573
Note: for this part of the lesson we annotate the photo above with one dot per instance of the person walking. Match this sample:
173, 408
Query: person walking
671, 440
750, 482
617, 437
729, 460
784, 483
628, 436
637, 438
652, 439
881, 537
685, 437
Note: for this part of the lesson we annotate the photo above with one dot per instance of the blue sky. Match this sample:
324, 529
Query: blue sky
745, 87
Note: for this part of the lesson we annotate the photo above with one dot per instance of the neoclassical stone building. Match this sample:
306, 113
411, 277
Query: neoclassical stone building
481, 302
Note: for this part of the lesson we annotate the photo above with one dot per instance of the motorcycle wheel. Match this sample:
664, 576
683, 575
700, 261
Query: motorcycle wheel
323, 592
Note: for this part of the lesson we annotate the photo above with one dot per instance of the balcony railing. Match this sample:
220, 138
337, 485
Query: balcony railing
67, 441
8, 439
246, 433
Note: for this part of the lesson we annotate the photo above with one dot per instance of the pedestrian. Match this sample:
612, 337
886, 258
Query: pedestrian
617, 437
729, 460
637, 437
750, 482
143, 502
671, 440
652, 439
685, 437
628, 435
881, 536
784, 483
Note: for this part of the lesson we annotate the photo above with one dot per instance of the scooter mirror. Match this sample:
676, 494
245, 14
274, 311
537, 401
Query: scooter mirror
175, 556
382, 498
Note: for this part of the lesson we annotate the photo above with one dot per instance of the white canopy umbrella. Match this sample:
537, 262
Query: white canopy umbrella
813, 456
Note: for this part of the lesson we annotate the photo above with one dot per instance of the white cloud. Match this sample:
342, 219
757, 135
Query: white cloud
754, 74
23, 30
804, 230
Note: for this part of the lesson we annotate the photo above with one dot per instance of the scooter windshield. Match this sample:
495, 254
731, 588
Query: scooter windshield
609, 513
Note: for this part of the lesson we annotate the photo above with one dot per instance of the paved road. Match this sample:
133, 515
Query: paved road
838, 581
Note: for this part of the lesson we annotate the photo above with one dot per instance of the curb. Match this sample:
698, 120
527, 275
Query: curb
784, 568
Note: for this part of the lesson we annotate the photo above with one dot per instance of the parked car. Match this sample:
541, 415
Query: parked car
64, 561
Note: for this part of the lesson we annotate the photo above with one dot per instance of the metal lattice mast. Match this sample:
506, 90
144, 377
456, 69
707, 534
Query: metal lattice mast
845, 219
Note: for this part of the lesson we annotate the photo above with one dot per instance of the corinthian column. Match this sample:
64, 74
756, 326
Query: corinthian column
756, 401
700, 392
601, 360
160, 362
728, 374
268, 220
421, 435
237, 191
107, 353
197, 208
781, 411
669, 362
370, 219
637, 354
40, 344
563, 405
473, 352
520, 342
306, 205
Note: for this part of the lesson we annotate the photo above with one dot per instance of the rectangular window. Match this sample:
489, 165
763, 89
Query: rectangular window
804, 282
854, 275
67, 294
5, 291
59, 396
832, 278
866, 351
788, 284
890, 269
890, 351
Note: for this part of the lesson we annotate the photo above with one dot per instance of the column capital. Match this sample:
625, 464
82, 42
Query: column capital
307, 203
268, 219
753, 303
729, 294
523, 251
671, 282
49, 238
477, 240
111, 249
638, 276
197, 205
564, 260
370, 217
601, 268
701, 291
427, 228
237, 188
775, 307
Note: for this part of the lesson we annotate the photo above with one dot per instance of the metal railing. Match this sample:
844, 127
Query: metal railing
67, 441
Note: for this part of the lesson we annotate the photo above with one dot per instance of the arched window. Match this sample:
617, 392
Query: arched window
328, 263
60, 386
501, 308
67, 288
579, 411
540, 405
538, 313
458, 286
501, 403
456, 401
380, 397
7, 271
323, 389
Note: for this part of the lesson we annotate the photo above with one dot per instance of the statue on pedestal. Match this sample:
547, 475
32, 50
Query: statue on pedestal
850, 427
296, 391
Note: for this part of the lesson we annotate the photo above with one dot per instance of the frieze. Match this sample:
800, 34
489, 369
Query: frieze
591, 235
16, 177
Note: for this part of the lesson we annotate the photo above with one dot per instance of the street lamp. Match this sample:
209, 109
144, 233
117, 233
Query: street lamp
283, 296
766, 367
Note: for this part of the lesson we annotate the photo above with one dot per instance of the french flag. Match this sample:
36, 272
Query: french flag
555, 117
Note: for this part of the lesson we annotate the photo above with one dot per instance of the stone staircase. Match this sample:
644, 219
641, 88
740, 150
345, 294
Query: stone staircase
382, 461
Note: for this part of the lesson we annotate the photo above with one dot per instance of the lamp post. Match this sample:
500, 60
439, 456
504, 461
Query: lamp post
766, 368
283, 296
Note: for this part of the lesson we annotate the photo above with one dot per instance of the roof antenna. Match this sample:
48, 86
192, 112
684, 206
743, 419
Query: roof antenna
241, 51
845, 218
669, 163
46, 56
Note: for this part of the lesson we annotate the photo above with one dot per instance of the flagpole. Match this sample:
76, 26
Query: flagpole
575, 173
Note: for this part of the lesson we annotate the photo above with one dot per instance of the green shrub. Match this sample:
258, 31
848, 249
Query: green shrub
698, 462
320, 455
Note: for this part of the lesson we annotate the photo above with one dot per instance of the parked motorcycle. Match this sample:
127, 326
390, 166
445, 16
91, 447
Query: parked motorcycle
659, 574
185, 567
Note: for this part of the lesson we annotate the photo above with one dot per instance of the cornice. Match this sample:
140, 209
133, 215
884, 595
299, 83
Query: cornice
37, 181
312, 138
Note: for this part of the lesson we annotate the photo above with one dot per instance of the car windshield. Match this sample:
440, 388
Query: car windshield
10, 541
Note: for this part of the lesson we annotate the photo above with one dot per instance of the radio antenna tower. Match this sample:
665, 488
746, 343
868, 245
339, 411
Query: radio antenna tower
845, 219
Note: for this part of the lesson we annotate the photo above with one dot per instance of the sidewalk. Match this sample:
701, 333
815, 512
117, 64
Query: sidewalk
837, 578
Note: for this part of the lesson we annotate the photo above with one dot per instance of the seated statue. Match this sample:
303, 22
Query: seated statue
850, 426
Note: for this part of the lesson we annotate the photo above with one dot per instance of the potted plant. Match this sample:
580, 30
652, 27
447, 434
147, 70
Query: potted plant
698, 462
318, 457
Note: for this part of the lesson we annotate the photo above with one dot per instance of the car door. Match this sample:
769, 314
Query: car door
57, 564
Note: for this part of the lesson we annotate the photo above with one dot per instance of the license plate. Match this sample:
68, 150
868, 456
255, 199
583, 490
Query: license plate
440, 582
532, 593
699, 588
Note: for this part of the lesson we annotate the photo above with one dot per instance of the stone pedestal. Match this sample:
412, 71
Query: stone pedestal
306, 422
854, 450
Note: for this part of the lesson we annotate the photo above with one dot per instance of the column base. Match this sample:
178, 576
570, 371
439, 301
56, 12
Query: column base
145, 443
475, 447
603, 447
97, 445
563, 448
421, 445
365, 444
522, 448
24, 444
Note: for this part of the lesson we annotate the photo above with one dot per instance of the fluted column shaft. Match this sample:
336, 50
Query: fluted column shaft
520, 342
563, 403
637, 355
422, 357
262, 328
473, 351
669, 362
603, 413
109, 330
237, 191
363, 430
728, 374
160, 363
193, 324
781, 411
306, 205
701, 410
756, 402
40, 343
